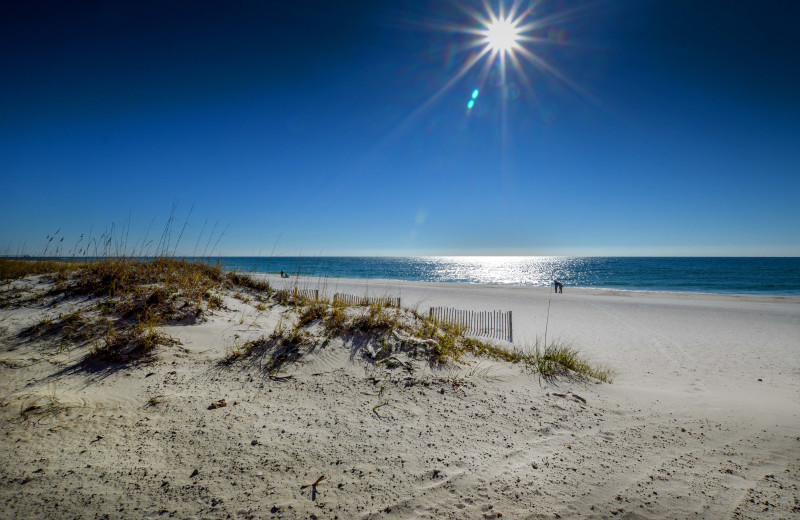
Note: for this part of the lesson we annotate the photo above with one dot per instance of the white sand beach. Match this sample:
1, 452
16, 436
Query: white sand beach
702, 419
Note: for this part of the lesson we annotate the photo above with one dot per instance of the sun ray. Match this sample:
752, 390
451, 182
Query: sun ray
501, 38
544, 66
466, 67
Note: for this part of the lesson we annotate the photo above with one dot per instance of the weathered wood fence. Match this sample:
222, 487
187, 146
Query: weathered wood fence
311, 294
366, 300
492, 324
294, 295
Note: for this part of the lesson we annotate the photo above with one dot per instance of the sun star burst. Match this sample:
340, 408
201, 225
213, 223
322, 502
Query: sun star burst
502, 35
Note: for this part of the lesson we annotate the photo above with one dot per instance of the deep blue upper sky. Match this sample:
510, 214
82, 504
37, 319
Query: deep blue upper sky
326, 128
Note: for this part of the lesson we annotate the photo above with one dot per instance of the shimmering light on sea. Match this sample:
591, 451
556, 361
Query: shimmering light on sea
506, 270
717, 275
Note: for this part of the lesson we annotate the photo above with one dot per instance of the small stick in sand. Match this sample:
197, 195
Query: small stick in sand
320, 479
281, 378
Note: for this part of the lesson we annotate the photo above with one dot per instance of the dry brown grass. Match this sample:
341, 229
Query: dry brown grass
244, 280
128, 343
136, 297
122, 276
14, 269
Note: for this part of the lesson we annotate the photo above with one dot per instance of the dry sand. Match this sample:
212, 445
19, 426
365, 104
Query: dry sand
702, 419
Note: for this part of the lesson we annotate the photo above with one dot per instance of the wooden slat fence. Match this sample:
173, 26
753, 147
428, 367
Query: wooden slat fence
295, 295
311, 294
491, 324
366, 300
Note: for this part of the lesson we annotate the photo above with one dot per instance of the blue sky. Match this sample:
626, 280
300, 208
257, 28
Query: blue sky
342, 128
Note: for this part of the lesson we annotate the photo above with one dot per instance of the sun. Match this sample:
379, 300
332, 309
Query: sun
504, 43
502, 35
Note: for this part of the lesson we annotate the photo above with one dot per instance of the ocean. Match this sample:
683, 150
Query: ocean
773, 276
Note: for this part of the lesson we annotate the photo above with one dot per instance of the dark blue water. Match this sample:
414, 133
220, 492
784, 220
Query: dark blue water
778, 276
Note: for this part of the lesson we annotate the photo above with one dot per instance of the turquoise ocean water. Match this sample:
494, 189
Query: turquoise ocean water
776, 276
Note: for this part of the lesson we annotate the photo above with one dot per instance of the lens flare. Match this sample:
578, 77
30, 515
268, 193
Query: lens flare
508, 37
499, 38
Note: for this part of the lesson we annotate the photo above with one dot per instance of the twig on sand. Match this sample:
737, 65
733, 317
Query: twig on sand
575, 396
375, 408
281, 378
413, 339
314, 484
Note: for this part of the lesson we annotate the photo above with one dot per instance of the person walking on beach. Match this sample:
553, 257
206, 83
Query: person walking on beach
558, 286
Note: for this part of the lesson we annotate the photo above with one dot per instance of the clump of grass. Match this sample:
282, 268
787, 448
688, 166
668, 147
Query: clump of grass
292, 298
164, 290
377, 318
72, 326
449, 338
242, 350
311, 312
75, 325
336, 319
12, 297
214, 301
560, 358
241, 297
14, 269
134, 342
45, 327
243, 280
555, 358
489, 350
281, 348
106, 307
121, 276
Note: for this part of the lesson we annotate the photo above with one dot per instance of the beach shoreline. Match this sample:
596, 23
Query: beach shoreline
701, 418
396, 284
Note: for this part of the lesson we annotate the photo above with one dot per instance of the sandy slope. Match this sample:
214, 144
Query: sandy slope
686, 430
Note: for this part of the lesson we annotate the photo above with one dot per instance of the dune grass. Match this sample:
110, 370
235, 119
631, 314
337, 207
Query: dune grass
135, 297
559, 357
14, 269
450, 342
556, 358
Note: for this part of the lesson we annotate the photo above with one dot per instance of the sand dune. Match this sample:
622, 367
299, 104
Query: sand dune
702, 418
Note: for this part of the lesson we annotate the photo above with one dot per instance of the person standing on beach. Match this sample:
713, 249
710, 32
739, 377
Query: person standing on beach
558, 286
